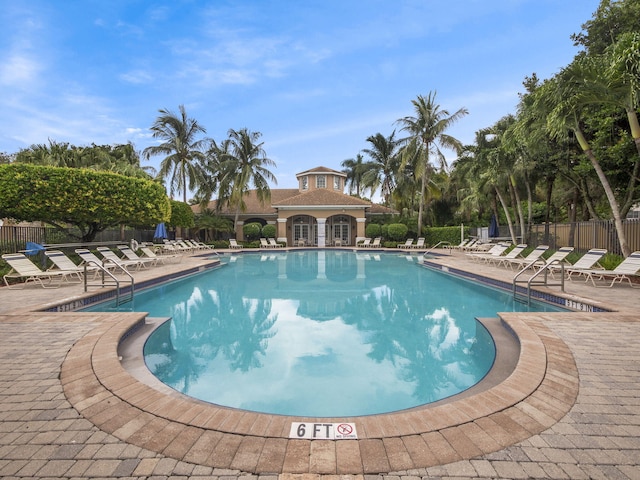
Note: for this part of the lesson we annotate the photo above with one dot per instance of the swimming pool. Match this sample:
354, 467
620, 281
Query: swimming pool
322, 333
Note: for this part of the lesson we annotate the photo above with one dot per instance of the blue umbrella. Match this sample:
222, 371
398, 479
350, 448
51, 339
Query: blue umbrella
33, 248
161, 231
494, 231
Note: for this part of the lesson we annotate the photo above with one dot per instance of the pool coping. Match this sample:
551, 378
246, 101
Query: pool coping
540, 391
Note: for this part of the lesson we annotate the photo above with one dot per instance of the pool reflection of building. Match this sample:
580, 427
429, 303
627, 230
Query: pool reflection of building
340, 277
317, 213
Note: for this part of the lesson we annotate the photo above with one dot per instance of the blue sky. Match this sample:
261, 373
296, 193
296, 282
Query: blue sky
316, 78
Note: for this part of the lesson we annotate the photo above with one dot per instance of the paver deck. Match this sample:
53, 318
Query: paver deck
571, 409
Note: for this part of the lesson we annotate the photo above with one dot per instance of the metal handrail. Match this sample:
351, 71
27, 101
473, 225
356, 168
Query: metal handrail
104, 271
442, 242
530, 281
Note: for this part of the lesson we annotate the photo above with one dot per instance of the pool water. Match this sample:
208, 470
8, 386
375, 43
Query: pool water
322, 333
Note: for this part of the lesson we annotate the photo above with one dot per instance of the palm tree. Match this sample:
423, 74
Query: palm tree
182, 148
426, 133
354, 168
384, 166
244, 164
613, 79
564, 98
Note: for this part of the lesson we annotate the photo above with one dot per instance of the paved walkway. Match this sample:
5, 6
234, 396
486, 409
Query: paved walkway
44, 435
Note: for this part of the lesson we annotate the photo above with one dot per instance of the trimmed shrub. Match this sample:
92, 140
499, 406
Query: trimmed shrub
434, 235
269, 231
372, 230
252, 231
398, 231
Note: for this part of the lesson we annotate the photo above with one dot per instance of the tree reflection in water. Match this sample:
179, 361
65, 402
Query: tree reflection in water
252, 330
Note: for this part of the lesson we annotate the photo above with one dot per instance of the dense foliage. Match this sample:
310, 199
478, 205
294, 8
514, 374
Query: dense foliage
181, 215
269, 231
252, 230
90, 200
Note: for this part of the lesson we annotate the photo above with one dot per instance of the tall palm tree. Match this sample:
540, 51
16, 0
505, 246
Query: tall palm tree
563, 97
384, 164
244, 165
426, 135
182, 147
354, 168
613, 79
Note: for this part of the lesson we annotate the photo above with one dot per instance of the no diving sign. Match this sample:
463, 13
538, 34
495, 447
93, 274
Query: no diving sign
323, 431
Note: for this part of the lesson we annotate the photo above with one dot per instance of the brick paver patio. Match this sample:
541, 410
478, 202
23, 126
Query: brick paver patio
60, 378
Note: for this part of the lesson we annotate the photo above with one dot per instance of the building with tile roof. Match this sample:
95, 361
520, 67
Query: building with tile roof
318, 212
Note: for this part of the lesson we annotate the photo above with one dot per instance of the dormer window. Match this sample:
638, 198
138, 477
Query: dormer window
336, 183
321, 181
305, 183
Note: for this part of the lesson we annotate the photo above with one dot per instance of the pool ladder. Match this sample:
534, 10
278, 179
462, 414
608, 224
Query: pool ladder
104, 272
532, 280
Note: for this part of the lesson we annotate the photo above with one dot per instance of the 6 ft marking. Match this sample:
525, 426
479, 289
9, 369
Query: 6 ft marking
323, 431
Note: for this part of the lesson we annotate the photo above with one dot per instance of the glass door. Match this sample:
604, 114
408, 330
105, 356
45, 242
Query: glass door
341, 233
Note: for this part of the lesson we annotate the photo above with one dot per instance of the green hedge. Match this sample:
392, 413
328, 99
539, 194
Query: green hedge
434, 235
269, 231
398, 231
252, 231
373, 230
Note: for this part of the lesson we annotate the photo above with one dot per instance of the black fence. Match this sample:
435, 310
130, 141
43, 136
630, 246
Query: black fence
582, 236
14, 238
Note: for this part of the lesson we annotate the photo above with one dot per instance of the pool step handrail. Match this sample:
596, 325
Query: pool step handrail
442, 242
544, 269
104, 272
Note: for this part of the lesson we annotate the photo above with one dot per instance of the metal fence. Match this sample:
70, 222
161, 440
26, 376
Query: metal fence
14, 238
582, 236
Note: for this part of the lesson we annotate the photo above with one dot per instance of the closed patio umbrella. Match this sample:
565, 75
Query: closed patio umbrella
494, 231
161, 232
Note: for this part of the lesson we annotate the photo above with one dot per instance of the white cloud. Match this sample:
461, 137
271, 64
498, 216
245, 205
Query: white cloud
19, 71
137, 77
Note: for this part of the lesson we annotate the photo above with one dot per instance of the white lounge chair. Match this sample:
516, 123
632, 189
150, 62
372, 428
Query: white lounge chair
148, 253
471, 245
407, 244
554, 260
89, 258
515, 252
23, 268
530, 259
365, 243
133, 256
375, 243
460, 246
589, 261
419, 243
65, 264
175, 246
629, 267
202, 245
274, 244
234, 245
123, 263
187, 248
264, 243
495, 251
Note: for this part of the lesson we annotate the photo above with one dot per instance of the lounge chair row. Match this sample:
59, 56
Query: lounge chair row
183, 246
270, 243
64, 269
587, 266
410, 245
368, 243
